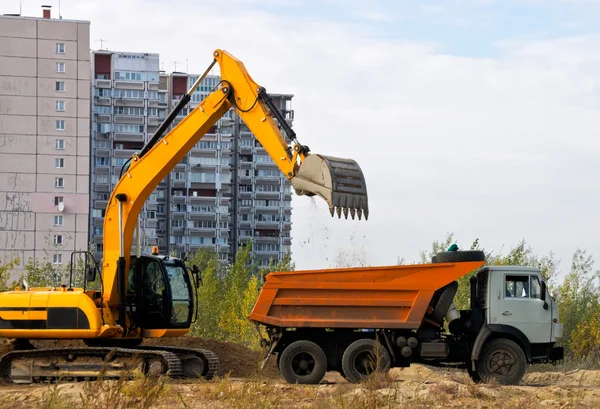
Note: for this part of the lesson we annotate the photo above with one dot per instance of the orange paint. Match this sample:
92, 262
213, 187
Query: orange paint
361, 297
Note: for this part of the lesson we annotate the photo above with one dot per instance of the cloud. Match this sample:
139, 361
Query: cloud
498, 148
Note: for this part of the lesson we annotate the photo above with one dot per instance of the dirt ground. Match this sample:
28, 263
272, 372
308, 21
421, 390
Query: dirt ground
241, 386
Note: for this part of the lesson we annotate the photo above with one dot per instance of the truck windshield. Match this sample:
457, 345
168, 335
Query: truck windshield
181, 293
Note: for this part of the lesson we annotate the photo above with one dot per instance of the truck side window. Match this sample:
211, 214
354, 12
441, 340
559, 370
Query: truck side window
536, 287
517, 286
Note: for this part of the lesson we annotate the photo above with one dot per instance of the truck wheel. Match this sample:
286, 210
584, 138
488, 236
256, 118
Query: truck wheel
303, 362
362, 358
503, 361
459, 256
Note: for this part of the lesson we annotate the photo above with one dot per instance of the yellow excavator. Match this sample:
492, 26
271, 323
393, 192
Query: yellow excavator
144, 296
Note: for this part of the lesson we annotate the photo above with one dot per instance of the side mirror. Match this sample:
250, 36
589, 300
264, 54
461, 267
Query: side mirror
90, 274
197, 275
543, 295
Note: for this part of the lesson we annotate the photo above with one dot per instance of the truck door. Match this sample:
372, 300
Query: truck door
519, 304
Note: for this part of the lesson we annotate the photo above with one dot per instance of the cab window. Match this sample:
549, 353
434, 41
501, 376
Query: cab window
522, 286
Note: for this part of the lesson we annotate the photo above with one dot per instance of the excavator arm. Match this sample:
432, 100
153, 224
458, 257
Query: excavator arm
338, 181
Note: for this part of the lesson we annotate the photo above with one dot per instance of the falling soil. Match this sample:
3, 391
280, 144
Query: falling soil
236, 360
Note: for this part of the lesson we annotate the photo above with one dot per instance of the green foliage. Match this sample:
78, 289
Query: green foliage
578, 301
5, 268
578, 295
228, 293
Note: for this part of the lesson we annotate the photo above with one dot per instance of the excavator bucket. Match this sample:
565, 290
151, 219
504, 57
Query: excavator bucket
339, 181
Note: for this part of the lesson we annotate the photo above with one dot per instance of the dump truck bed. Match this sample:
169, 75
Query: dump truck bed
362, 297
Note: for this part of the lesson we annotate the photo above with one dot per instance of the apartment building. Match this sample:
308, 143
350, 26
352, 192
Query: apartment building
227, 185
126, 110
44, 137
225, 191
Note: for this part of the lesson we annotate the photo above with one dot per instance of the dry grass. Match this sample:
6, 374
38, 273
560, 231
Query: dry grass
415, 387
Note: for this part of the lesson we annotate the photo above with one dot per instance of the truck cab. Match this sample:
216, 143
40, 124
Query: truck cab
514, 321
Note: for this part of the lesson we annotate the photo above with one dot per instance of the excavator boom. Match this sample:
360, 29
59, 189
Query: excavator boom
338, 181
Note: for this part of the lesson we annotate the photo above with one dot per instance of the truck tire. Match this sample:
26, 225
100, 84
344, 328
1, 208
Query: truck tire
503, 361
359, 359
303, 362
459, 256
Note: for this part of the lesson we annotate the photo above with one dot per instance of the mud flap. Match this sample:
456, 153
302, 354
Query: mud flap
339, 181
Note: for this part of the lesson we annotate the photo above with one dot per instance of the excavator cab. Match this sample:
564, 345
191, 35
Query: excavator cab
165, 296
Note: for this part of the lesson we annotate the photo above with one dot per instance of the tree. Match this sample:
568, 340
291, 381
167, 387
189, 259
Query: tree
5, 268
578, 302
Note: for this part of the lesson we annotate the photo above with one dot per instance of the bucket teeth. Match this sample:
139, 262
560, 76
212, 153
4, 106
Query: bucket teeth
345, 210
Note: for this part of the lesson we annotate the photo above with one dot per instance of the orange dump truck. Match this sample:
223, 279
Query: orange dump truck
357, 320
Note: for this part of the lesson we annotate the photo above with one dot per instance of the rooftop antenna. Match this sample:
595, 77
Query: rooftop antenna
59, 15
187, 68
102, 41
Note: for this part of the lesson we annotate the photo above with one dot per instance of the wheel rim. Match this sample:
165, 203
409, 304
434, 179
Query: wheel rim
364, 362
501, 362
303, 364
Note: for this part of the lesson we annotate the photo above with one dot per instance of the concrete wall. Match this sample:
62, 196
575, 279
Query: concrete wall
28, 135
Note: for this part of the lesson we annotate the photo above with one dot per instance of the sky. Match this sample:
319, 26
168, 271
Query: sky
475, 117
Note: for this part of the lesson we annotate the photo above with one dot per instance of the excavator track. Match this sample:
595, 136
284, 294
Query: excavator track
83, 364
196, 362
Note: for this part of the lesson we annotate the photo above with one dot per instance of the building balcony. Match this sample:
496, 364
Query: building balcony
154, 120
102, 118
266, 224
266, 239
102, 187
203, 231
125, 84
102, 152
102, 83
100, 204
178, 231
129, 137
102, 101
203, 216
128, 102
123, 153
178, 182
202, 200
271, 253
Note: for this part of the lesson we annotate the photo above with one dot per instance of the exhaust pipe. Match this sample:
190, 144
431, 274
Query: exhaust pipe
339, 181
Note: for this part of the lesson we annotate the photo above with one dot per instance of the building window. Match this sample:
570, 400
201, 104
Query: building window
60, 144
102, 161
60, 67
59, 163
60, 106
60, 86
60, 124
60, 48
98, 247
57, 200
58, 239
57, 259
59, 182
58, 220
